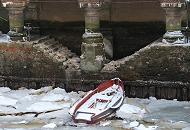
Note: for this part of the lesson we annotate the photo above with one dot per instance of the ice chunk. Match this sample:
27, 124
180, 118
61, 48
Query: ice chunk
4, 89
134, 124
127, 111
128, 125
60, 114
51, 125
142, 127
53, 97
44, 106
22, 122
58, 91
105, 123
57, 94
17, 94
7, 101
8, 109
187, 128
41, 90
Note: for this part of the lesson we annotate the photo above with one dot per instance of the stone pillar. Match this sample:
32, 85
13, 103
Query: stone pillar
174, 12
92, 48
92, 20
16, 17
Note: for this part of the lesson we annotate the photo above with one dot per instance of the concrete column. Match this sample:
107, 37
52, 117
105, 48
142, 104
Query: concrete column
92, 20
92, 48
174, 12
16, 19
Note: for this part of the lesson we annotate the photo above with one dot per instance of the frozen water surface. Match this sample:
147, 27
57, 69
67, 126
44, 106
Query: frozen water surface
174, 113
47, 108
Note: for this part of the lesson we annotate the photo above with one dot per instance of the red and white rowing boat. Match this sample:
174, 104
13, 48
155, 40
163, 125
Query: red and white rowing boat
99, 103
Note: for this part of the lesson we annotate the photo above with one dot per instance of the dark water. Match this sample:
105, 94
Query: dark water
126, 37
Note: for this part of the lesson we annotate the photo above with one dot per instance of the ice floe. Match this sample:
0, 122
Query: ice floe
44, 106
127, 111
53, 97
50, 106
142, 127
5, 101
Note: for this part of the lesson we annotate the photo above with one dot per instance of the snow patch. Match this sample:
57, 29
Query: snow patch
7, 3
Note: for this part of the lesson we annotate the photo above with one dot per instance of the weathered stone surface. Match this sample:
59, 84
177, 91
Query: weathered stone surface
174, 13
93, 52
158, 61
23, 60
16, 15
92, 58
92, 48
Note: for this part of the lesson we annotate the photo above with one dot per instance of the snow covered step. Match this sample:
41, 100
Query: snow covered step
44, 42
52, 48
42, 39
58, 53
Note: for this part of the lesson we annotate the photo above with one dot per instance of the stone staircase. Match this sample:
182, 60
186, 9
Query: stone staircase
56, 51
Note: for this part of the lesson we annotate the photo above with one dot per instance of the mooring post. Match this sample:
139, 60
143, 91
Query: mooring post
174, 11
16, 17
92, 48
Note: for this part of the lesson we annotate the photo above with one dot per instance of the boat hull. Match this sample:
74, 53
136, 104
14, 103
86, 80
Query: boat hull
99, 103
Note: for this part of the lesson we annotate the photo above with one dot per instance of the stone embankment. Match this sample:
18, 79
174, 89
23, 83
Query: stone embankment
37, 63
57, 52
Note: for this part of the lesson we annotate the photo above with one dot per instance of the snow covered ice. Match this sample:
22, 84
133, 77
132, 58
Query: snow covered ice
47, 108
4, 38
